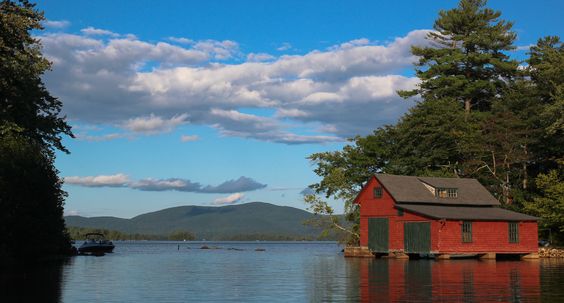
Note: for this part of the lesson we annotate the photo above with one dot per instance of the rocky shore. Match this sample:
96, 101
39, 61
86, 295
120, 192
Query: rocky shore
549, 252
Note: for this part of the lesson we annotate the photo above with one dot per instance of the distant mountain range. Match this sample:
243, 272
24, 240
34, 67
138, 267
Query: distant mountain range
250, 221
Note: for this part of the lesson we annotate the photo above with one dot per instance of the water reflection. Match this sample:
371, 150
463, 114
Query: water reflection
449, 281
38, 283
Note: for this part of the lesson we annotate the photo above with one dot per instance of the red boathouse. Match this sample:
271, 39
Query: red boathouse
403, 215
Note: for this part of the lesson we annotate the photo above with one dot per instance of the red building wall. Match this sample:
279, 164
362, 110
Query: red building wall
446, 237
384, 207
487, 237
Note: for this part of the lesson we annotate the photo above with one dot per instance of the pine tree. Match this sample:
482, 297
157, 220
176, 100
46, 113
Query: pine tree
466, 60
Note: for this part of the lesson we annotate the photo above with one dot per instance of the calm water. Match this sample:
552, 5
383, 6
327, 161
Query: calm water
284, 272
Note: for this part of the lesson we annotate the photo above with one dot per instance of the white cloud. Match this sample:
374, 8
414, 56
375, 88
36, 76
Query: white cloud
346, 90
259, 57
153, 124
218, 49
91, 31
72, 213
181, 40
117, 180
189, 138
100, 138
166, 184
231, 199
285, 46
242, 184
524, 47
58, 24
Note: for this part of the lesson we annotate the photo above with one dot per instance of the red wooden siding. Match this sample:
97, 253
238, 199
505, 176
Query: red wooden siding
446, 236
487, 236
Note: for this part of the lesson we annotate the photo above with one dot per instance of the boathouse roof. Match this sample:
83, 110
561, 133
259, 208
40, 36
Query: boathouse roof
413, 190
486, 213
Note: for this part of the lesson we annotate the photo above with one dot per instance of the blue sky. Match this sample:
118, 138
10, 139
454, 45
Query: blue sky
220, 102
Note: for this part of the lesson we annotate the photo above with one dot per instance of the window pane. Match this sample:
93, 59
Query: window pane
513, 232
377, 192
467, 232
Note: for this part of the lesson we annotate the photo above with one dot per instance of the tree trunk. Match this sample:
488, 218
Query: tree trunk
525, 175
467, 106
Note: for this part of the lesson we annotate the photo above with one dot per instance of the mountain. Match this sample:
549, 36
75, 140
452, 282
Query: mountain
248, 221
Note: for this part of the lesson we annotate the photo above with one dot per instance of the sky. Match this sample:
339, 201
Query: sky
221, 102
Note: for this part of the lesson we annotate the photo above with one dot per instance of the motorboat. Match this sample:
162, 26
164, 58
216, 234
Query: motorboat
96, 243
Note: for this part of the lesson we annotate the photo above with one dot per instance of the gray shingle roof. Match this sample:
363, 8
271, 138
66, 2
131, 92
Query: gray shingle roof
486, 213
410, 189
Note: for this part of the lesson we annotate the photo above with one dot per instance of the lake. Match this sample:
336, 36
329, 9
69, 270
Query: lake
147, 271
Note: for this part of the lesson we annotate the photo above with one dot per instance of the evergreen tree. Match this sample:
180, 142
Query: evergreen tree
466, 60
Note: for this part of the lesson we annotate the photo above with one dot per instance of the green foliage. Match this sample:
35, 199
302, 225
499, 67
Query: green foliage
467, 60
333, 226
24, 100
513, 135
78, 233
549, 204
181, 235
31, 198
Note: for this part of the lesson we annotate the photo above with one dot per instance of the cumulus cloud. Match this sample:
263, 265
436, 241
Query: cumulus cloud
189, 138
100, 138
153, 124
181, 40
57, 24
117, 180
145, 87
91, 31
166, 184
285, 46
231, 199
259, 57
242, 184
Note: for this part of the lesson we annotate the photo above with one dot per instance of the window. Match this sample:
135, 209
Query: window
447, 192
400, 212
513, 232
377, 192
466, 232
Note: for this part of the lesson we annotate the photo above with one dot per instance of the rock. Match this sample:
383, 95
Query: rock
546, 252
204, 247
260, 249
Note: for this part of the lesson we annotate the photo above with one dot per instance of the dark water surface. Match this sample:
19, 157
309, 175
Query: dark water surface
284, 272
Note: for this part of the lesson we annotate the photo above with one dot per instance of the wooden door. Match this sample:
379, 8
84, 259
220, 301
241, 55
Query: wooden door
378, 234
417, 237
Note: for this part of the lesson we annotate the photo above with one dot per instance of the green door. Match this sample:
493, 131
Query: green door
378, 232
417, 237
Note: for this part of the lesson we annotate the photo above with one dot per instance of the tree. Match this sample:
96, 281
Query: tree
546, 70
549, 206
466, 60
24, 99
31, 129
31, 200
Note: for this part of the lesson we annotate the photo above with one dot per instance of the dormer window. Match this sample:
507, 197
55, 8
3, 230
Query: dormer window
446, 192
378, 192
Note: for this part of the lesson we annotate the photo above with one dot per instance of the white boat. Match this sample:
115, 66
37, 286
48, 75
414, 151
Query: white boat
96, 244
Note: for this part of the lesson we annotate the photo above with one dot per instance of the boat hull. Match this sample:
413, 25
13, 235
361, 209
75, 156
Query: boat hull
105, 248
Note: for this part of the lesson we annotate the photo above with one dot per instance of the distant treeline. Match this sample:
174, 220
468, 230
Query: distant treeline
78, 233
266, 237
